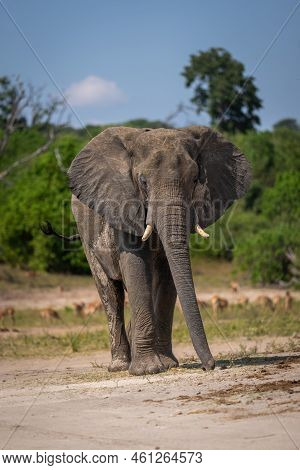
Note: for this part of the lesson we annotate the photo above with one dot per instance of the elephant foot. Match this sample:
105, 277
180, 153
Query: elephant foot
168, 360
118, 364
150, 364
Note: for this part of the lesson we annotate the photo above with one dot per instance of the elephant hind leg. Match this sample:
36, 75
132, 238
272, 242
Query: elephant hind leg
164, 299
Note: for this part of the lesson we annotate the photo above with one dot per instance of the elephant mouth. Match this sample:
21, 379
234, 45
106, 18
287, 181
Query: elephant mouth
150, 226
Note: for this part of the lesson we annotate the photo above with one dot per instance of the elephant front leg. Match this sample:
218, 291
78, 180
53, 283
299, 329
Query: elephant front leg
137, 277
111, 293
164, 299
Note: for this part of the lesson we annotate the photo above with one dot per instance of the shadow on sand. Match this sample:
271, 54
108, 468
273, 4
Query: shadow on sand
247, 361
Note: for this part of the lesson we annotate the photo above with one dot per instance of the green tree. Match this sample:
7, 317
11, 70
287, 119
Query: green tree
281, 202
287, 123
40, 192
142, 122
263, 254
287, 150
222, 89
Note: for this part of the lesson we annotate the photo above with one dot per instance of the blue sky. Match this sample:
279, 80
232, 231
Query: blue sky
119, 60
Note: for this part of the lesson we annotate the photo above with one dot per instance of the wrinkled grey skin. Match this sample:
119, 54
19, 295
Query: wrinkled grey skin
171, 179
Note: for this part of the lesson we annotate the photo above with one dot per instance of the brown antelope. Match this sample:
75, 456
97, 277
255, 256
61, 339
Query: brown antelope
264, 301
277, 299
91, 308
243, 300
234, 287
84, 310
202, 303
79, 308
288, 301
49, 313
7, 312
30, 274
218, 303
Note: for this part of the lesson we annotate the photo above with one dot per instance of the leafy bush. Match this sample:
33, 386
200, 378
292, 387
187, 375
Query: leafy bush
283, 200
40, 192
264, 255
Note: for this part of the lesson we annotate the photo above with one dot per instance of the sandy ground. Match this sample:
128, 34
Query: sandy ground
54, 297
72, 403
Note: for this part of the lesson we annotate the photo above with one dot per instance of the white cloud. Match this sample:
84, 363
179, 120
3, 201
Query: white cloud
94, 90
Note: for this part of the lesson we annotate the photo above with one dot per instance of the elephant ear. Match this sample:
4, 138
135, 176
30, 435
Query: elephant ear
100, 177
224, 174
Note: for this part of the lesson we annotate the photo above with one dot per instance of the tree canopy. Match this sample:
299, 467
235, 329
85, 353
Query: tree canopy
287, 123
222, 89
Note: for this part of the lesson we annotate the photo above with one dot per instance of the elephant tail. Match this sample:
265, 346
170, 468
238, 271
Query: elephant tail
47, 229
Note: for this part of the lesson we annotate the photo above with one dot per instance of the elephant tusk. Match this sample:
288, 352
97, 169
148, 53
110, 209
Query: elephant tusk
147, 233
201, 232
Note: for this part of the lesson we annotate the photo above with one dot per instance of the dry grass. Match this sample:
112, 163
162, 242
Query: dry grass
14, 278
72, 334
247, 321
37, 337
207, 272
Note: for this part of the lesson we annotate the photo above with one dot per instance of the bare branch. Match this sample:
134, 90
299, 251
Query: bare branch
30, 157
291, 255
181, 108
19, 102
59, 160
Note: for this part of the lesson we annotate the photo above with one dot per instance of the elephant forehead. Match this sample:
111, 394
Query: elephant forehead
164, 164
162, 139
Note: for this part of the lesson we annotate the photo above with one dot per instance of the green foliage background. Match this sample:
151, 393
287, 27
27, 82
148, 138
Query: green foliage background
255, 233
258, 231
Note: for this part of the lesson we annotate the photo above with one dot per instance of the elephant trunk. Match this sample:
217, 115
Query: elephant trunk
173, 231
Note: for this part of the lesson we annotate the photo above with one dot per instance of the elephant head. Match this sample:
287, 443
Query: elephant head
174, 181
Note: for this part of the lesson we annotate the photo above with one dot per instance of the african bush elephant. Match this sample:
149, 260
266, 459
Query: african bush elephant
174, 182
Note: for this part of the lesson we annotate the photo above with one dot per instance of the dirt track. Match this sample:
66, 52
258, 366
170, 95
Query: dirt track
250, 403
54, 297
72, 402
